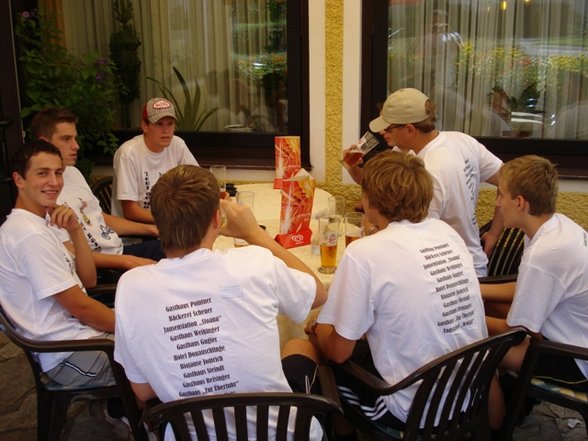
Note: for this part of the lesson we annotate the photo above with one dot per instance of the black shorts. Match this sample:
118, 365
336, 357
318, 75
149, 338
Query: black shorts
370, 404
560, 370
301, 373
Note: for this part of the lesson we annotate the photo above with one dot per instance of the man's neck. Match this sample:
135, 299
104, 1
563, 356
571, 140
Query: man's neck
423, 139
35, 209
534, 223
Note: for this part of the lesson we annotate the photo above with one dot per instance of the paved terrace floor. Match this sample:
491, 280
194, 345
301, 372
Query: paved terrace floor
18, 410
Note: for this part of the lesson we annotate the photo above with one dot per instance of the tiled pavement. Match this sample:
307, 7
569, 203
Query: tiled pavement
18, 410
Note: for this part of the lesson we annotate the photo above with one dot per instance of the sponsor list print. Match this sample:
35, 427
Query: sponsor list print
193, 329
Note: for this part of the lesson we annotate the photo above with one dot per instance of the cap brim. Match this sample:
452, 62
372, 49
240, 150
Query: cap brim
378, 124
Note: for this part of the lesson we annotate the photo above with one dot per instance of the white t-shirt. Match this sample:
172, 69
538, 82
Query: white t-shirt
552, 286
78, 196
207, 323
418, 303
456, 180
34, 265
137, 169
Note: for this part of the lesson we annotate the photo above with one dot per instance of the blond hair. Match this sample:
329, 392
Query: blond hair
535, 179
398, 186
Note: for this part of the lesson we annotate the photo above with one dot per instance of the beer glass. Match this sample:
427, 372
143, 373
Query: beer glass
328, 228
365, 144
220, 173
243, 198
353, 226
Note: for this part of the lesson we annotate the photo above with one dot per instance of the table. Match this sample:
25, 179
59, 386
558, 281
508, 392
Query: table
266, 207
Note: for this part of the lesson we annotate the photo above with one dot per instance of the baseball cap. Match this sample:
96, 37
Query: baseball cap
157, 108
402, 107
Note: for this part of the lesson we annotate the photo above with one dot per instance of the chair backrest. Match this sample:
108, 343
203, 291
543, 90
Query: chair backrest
102, 189
232, 413
507, 253
465, 376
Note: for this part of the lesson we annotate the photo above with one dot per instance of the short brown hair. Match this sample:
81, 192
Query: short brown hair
44, 122
21, 160
427, 125
398, 186
184, 201
535, 179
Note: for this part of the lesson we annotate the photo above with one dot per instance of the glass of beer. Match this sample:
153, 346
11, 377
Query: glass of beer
243, 198
353, 226
220, 173
328, 228
365, 144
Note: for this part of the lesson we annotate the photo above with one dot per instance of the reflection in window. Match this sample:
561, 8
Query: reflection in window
515, 68
232, 55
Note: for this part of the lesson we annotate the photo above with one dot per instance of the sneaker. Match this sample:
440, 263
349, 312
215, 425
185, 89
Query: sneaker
120, 426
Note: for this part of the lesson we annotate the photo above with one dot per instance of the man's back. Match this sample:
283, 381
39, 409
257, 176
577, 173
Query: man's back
459, 164
418, 303
552, 287
210, 318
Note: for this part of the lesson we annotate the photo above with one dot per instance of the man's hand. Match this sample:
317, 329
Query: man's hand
130, 262
355, 170
64, 217
240, 221
489, 240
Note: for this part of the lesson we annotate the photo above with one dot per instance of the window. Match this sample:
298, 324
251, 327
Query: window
237, 68
512, 73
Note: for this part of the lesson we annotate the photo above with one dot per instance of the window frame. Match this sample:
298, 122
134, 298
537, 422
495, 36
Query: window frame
253, 150
571, 156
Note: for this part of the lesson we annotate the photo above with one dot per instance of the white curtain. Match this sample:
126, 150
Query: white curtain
495, 68
221, 45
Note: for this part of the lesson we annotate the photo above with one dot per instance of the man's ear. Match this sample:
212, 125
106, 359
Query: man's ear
522, 204
18, 179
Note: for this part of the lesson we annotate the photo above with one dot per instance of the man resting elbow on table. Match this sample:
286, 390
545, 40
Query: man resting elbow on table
209, 318
550, 297
396, 301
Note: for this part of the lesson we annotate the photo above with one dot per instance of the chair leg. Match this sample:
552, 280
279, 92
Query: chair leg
44, 410
58, 416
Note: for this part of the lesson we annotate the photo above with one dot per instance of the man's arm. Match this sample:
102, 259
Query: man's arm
490, 237
332, 345
62, 216
498, 292
126, 227
143, 391
134, 212
86, 309
241, 223
119, 261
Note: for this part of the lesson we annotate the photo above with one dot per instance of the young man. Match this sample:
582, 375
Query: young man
457, 162
551, 291
209, 318
39, 285
58, 126
407, 300
139, 162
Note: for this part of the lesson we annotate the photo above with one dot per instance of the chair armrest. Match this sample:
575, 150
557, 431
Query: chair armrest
328, 385
498, 279
374, 384
92, 344
560, 349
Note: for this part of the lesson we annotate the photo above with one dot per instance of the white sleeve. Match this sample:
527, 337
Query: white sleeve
127, 177
349, 306
295, 291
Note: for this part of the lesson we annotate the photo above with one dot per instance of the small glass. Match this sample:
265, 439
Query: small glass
328, 228
243, 198
365, 144
353, 226
220, 173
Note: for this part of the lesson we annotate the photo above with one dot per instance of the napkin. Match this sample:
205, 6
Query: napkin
296, 209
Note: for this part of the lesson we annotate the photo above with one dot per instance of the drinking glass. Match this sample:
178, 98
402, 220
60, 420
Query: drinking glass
353, 226
243, 198
220, 173
328, 228
365, 144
